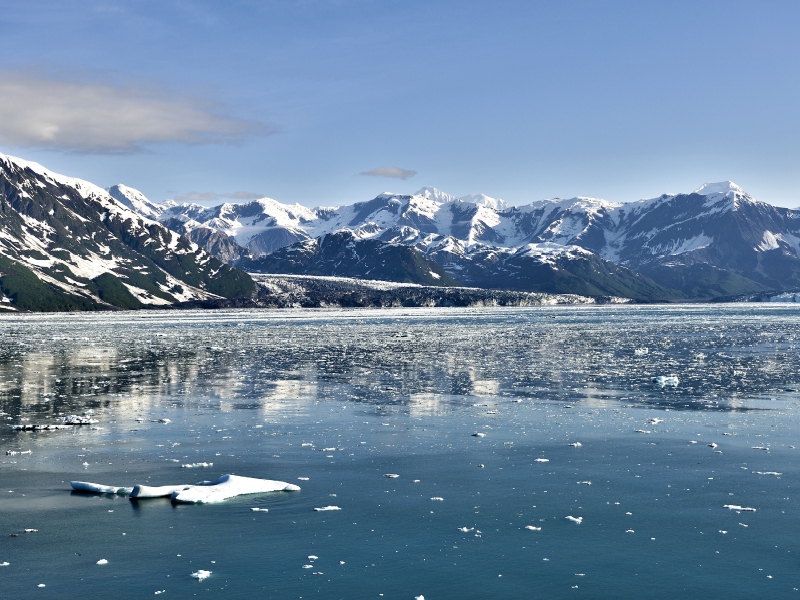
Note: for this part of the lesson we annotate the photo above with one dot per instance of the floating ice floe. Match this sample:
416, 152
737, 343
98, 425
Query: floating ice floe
575, 444
392, 475
229, 486
541, 460
302, 478
4, 564
641, 351
643, 431
655, 421
97, 488
585, 483
324, 508
466, 529
38, 427
420, 597
102, 561
200, 574
761, 448
18, 452
160, 491
197, 465
665, 380
78, 420
533, 528
29, 530
712, 445
737, 507
260, 509
767, 473
437, 499
478, 434
576, 520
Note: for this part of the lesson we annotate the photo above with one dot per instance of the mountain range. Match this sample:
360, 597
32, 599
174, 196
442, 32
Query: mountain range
712, 242
68, 244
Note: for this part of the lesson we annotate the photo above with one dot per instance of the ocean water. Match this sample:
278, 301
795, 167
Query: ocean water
572, 425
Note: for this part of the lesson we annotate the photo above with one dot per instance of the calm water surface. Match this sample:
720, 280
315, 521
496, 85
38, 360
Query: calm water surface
344, 397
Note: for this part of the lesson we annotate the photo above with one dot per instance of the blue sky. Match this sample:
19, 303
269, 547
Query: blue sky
297, 100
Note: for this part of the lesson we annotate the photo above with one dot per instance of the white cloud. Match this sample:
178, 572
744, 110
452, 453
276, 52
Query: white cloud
394, 172
100, 118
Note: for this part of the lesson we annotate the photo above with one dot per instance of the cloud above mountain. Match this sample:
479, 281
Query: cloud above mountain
42, 112
392, 172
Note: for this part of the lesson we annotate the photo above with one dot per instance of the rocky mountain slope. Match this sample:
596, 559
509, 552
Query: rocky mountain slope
66, 244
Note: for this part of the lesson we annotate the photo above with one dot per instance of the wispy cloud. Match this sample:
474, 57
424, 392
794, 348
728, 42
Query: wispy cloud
393, 172
214, 196
99, 118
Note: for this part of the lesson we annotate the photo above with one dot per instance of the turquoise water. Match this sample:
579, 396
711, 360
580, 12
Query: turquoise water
344, 397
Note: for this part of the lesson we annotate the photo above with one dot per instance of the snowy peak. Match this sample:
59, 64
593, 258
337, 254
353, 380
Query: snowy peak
721, 188
135, 200
431, 193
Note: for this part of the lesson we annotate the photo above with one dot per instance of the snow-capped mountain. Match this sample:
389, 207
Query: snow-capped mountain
713, 241
69, 244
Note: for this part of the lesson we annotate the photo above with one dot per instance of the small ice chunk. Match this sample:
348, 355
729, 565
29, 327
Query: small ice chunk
4, 564
479, 434
767, 473
229, 486
312, 557
102, 561
533, 528
466, 529
78, 420
420, 597
31, 531
392, 475
737, 507
307, 567
438, 499
198, 465
663, 380
712, 445
585, 482
576, 520
324, 508
200, 574
260, 509
629, 531
641, 351
643, 431
575, 444
97, 488
541, 460
656, 421
302, 478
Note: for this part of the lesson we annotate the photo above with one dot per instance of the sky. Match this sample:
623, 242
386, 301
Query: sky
330, 102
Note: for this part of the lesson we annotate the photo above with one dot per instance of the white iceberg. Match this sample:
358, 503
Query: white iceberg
324, 508
577, 520
663, 380
229, 486
200, 574
160, 491
97, 488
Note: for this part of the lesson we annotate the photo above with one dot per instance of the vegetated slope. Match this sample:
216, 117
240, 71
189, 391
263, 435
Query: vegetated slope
66, 244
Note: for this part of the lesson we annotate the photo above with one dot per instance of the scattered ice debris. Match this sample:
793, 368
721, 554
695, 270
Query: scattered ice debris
738, 508
97, 488
102, 561
576, 520
200, 574
229, 486
533, 528
767, 473
712, 445
541, 460
479, 434
18, 452
324, 508
260, 509
392, 475
197, 465
663, 380
38, 427
162, 491
77, 420
575, 444
438, 499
